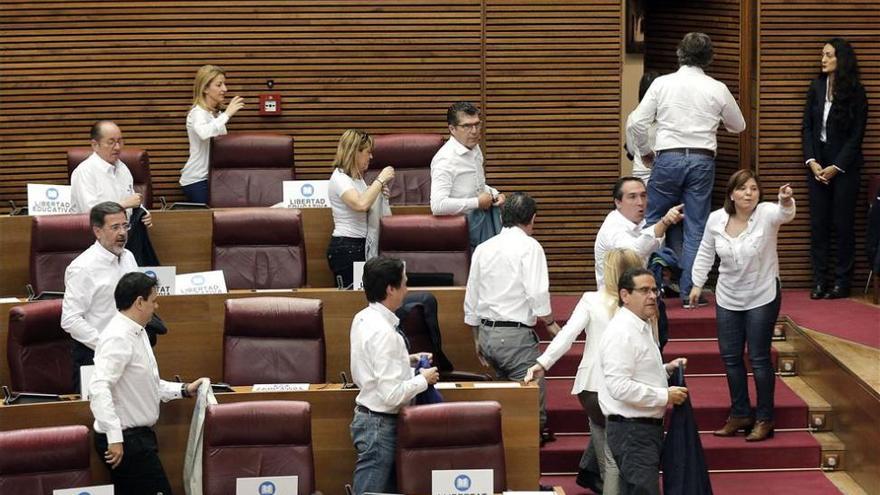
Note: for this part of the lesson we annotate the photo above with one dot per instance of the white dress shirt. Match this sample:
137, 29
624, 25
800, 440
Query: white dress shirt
201, 126
617, 232
126, 388
687, 106
591, 315
89, 283
457, 178
749, 262
508, 280
380, 362
94, 181
634, 384
346, 221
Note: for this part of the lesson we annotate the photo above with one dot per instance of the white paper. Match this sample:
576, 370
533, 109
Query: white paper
280, 387
200, 283
306, 193
273, 485
85, 379
86, 490
496, 384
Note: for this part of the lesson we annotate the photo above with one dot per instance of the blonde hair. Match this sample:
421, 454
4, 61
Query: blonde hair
616, 262
351, 142
204, 76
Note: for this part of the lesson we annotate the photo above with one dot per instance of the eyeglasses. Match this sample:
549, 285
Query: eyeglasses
111, 143
470, 127
647, 290
116, 227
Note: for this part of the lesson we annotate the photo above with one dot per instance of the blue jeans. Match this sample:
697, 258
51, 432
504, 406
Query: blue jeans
375, 438
735, 329
678, 178
197, 192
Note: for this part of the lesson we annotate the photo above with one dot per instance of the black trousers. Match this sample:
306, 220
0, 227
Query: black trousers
82, 356
833, 206
140, 472
341, 254
636, 448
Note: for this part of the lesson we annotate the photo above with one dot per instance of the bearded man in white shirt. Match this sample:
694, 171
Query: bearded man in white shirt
634, 393
458, 181
126, 390
91, 278
686, 108
508, 290
382, 368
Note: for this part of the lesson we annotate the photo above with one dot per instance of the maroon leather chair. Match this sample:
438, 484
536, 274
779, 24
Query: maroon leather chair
273, 340
451, 435
277, 441
410, 155
55, 241
38, 349
260, 248
246, 169
40, 460
428, 244
137, 161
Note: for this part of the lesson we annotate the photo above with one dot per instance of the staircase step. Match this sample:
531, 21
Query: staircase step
736, 483
786, 450
709, 397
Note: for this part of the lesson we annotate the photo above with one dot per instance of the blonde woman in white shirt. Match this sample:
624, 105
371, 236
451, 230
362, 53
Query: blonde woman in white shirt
591, 316
205, 121
744, 236
350, 202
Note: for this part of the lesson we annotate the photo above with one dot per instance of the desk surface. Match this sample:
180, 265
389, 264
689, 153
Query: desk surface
181, 238
332, 410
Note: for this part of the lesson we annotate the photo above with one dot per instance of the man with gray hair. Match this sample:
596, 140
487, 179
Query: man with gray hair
686, 108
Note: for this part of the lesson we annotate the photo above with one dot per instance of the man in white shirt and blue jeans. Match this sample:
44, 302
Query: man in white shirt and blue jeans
382, 368
686, 108
126, 390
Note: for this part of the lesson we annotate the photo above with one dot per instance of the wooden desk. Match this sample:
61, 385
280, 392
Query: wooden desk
332, 410
181, 238
193, 346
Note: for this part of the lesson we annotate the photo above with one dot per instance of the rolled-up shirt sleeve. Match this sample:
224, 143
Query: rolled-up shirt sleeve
618, 368
109, 366
79, 289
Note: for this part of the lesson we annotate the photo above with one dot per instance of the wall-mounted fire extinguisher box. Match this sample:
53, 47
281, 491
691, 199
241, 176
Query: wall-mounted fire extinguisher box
270, 103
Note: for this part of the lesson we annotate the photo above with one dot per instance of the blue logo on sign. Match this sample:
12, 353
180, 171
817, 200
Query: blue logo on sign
197, 280
151, 274
267, 488
52, 193
307, 190
462, 482
85, 493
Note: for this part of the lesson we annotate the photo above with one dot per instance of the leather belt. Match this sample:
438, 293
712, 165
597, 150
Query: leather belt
688, 151
648, 421
510, 324
367, 410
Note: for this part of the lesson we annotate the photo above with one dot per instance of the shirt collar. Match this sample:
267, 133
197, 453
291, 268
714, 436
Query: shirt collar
131, 327
107, 256
692, 69
386, 313
105, 165
635, 320
459, 148
514, 231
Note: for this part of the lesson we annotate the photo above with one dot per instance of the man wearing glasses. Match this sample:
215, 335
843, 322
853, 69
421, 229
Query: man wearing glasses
90, 280
458, 182
634, 393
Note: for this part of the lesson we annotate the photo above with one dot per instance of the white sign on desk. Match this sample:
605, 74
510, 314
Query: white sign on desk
280, 387
48, 199
86, 490
200, 283
462, 481
306, 193
358, 278
276, 485
166, 276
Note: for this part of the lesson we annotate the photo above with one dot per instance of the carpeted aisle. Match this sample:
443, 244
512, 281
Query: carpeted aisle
792, 457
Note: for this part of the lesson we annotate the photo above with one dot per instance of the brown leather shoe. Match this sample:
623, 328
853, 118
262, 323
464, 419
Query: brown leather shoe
734, 425
762, 431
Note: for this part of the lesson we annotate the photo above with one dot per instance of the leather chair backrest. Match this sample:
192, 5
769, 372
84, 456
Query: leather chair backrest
259, 438
410, 155
40, 460
136, 159
260, 248
273, 340
55, 241
428, 244
246, 169
450, 435
38, 349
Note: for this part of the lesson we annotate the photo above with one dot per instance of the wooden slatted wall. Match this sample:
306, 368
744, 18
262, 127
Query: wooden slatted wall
549, 86
553, 105
791, 36
668, 22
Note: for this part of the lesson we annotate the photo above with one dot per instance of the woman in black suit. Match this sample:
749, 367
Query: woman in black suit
834, 125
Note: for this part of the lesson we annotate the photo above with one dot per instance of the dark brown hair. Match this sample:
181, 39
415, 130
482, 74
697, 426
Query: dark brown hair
735, 182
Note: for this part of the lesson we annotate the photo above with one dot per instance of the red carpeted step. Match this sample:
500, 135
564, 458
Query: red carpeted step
773, 482
708, 394
786, 450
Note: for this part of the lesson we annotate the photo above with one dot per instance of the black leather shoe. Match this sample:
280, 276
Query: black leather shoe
588, 479
837, 292
818, 292
547, 436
